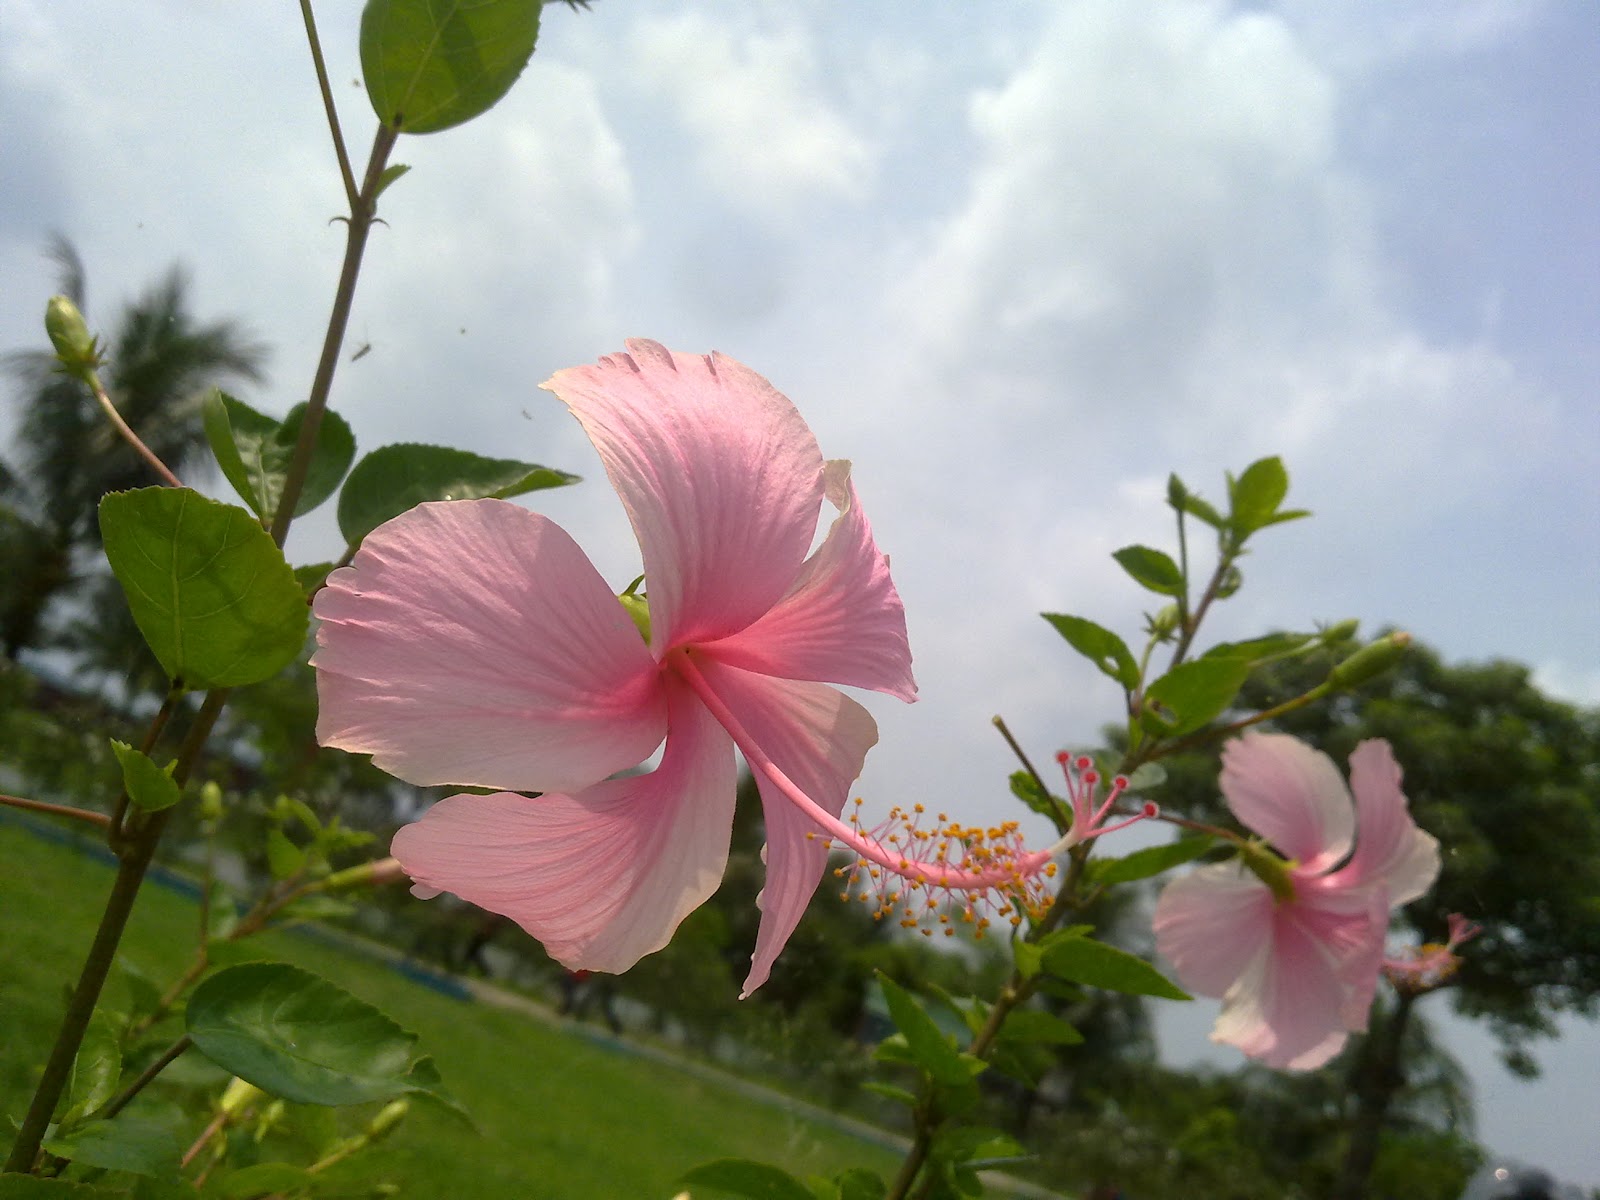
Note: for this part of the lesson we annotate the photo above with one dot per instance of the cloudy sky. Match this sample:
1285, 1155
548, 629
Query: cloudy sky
1016, 261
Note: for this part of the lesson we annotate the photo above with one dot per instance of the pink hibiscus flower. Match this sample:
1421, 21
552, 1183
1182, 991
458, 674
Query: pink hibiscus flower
472, 643
1296, 961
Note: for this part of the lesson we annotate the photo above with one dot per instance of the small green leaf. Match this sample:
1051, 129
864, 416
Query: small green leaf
858, 1183
132, 1144
968, 1143
284, 858
95, 1070
1025, 788
1151, 569
431, 64
207, 586
751, 1180
1193, 693
390, 173
1152, 860
1083, 960
298, 1036
149, 787
930, 1048
1254, 496
1038, 1026
1029, 959
312, 576
1147, 776
1257, 650
1099, 645
889, 1091
263, 1179
254, 452
393, 479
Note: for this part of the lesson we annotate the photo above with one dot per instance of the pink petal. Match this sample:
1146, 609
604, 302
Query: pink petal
1389, 847
602, 877
720, 477
842, 622
471, 642
1291, 795
1211, 924
819, 738
1296, 1004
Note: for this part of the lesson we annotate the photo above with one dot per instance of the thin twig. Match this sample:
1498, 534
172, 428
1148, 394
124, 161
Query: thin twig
127, 434
57, 810
345, 172
165, 1060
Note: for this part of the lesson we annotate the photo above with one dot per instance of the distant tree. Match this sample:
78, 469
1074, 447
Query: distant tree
160, 363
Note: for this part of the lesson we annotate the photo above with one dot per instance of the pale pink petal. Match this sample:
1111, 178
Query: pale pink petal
720, 477
842, 622
1211, 924
1390, 849
472, 643
1285, 1010
819, 738
1291, 795
602, 877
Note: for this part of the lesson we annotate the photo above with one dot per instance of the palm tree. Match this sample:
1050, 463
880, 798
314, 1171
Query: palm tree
160, 363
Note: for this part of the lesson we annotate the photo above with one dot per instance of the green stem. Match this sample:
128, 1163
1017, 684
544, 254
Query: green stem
135, 857
1191, 625
57, 810
362, 215
127, 434
315, 43
162, 1062
1203, 736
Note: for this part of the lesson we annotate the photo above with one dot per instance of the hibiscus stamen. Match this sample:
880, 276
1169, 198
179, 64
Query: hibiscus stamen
925, 859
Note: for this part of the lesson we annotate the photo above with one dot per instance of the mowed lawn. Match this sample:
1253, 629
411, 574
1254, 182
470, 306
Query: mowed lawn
562, 1118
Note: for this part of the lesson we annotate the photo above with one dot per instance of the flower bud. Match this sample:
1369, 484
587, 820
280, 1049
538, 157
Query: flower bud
1370, 661
210, 801
1338, 634
75, 347
368, 874
638, 608
388, 1117
236, 1095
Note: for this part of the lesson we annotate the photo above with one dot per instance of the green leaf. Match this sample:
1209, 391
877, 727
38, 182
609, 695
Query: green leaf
1256, 494
431, 64
967, 1143
312, 576
300, 1037
1025, 788
95, 1070
1029, 959
1151, 569
264, 1178
1192, 693
1152, 860
752, 1180
1099, 645
390, 173
208, 588
1083, 960
149, 787
426, 1083
930, 1048
1039, 1026
284, 858
1146, 776
394, 479
889, 1091
30, 1187
132, 1144
254, 451
858, 1183
1257, 650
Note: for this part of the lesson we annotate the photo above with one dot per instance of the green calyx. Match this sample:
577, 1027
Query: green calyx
637, 606
1270, 869
75, 347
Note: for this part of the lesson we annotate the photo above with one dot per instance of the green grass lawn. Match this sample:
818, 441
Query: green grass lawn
562, 1118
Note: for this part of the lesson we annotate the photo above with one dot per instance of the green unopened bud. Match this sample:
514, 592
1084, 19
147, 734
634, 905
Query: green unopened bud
1270, 869
75, 347
1340, 632
368, 874
388, 1117
1164, 625
1370, 661
236, 1095
210, 801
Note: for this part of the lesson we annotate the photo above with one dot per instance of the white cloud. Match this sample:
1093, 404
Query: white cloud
766, 138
